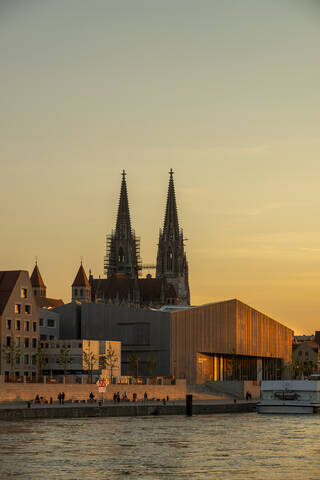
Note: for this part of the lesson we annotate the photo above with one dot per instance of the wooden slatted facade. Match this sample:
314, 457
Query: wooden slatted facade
230, 328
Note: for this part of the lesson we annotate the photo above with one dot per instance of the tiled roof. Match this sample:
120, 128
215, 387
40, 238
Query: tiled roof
150, 289
8, 279
81, 279
36, 279
114, 287
45, 302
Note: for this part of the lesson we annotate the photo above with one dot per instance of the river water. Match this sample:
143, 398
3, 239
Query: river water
233, 446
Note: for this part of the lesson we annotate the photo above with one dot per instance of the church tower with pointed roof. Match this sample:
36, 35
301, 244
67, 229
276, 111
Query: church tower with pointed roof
172, 262
38, 286
81, 289
123, 256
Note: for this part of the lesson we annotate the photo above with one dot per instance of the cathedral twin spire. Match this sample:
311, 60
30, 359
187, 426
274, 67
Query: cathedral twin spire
123, 247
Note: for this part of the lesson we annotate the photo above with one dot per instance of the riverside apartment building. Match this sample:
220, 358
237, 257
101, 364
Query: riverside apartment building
19, 325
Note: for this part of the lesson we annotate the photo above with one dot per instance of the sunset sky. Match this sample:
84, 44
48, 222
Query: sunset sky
227, 93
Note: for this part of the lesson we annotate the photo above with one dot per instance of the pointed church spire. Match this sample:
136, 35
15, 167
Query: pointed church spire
123, 225
172, 265
171, 223
81, 288
122, 256
38, 286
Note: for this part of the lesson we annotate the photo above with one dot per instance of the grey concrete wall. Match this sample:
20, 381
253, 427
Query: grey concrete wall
144, 332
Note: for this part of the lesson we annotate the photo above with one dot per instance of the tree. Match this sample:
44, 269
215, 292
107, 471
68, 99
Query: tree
89, 360
134, 363
65, 357
110, 359
12, 354
152, 363
40, 358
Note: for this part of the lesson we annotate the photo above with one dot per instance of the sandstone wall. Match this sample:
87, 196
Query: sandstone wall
13, 392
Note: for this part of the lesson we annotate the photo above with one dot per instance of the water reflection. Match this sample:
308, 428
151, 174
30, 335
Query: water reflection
244, 446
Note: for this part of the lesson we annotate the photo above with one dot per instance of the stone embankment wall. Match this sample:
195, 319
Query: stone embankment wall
129, 410
15, 392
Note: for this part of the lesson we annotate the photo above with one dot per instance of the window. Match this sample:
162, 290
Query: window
26, 359
17, 359
23, 293
34, 359
47, 345
18, 325
52, 337
46, 360
27, 309
8, 357
17, 308
8, 341
27, 325
80, 345
8, 324
43, 337
26, 342
26, 374
17, 374
34, 326
81, 292
34, 343
41, 322
75, 292
35, 293
51, 322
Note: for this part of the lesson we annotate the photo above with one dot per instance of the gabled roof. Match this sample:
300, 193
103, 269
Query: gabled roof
8, 279
36, 279
45, 302
81, 279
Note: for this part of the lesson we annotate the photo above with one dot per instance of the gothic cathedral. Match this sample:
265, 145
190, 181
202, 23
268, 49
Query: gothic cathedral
123, 266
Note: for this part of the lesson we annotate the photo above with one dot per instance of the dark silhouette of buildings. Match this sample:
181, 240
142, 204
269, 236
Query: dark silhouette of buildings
123, 265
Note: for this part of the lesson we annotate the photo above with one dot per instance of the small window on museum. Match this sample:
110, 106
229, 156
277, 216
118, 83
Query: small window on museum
81, 292
18, 325
27, 325
34, 325
27, 309
52, 337
51, 322
75, 292
34, 343
41, 322
23, 293
8, 341
26, 359
17, 308
26, 342
34, 359
8, 324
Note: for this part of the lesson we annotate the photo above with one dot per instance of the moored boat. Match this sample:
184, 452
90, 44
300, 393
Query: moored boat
289, 396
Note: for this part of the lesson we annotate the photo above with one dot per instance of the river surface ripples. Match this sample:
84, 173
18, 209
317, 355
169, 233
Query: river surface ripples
233, 446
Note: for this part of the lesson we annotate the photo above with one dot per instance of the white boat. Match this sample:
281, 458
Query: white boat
289, 396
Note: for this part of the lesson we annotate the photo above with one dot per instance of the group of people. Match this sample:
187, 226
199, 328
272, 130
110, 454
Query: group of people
117, 398
61, 397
